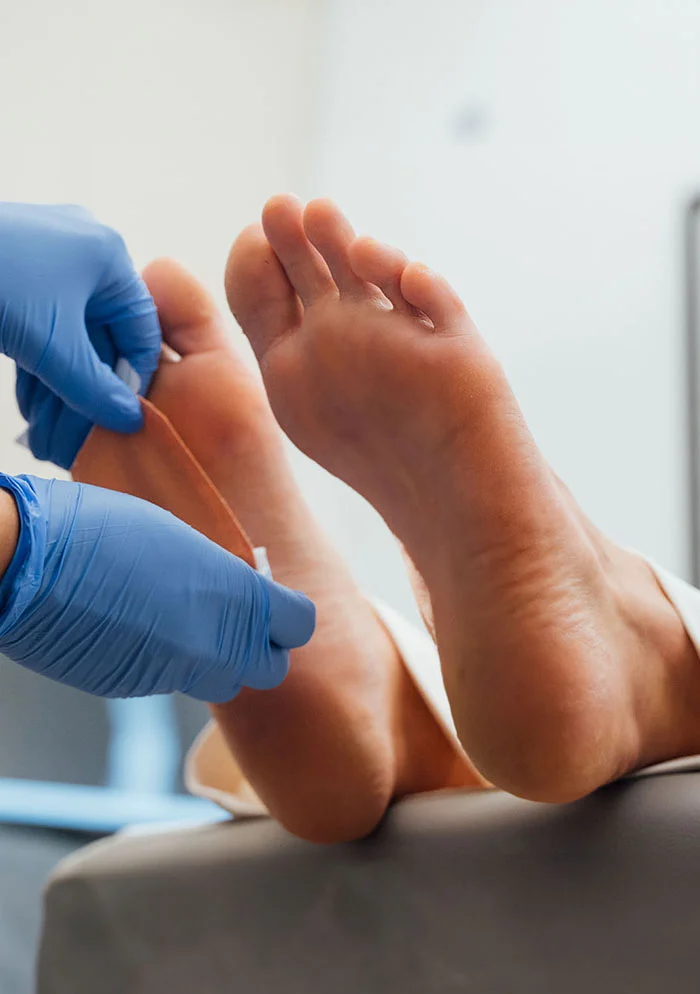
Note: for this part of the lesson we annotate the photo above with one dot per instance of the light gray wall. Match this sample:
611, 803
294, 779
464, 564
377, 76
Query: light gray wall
539, 153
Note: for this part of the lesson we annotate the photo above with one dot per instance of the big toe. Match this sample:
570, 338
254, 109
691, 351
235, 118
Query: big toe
259, 294
189, 317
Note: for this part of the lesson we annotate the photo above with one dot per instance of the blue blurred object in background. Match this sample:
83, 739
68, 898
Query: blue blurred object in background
74, 762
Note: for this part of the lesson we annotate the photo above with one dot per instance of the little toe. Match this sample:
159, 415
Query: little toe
189, 318
381, 265
283, 225
260, 296
331, 233
433, 295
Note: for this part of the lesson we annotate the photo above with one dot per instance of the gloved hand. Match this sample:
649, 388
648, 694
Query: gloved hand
71, 304
118, 598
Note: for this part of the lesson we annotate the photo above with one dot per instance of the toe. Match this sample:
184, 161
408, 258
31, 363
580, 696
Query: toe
381, 265
284, 227
330, 231
259, 294
433, 295
189, 318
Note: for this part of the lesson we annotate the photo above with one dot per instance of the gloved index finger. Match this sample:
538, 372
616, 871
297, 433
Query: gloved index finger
126, 307
137, 339
85, 383
292, 616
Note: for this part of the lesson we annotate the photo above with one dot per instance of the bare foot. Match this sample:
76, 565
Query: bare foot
565, 664
346, 732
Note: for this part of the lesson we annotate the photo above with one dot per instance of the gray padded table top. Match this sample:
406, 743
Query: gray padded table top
477, 894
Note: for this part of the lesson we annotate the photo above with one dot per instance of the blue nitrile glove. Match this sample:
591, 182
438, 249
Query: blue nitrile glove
118, 598
71, 304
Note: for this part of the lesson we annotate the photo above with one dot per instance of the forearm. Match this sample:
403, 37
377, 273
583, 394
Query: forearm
9, 530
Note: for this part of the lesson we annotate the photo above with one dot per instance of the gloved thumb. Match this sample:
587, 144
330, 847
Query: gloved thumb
292, 616
88, 385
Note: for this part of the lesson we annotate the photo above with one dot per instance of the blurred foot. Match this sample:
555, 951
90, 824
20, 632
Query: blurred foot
346, 732
565, 664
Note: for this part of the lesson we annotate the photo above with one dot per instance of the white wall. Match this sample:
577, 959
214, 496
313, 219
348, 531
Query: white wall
539, 153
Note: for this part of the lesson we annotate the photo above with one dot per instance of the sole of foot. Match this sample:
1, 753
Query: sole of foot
565, 664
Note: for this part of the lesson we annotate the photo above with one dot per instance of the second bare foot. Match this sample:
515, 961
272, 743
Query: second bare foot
565, 664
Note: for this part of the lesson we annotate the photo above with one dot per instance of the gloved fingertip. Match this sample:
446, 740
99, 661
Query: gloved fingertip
122, 412
272, 673
292, 616
138, 371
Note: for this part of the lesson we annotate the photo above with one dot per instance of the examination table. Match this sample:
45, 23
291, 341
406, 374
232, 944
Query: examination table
470, 893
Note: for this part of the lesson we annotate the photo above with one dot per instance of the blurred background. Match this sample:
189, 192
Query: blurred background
540, 154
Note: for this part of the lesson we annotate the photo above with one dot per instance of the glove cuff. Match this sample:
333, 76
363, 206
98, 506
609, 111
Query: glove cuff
23, 577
